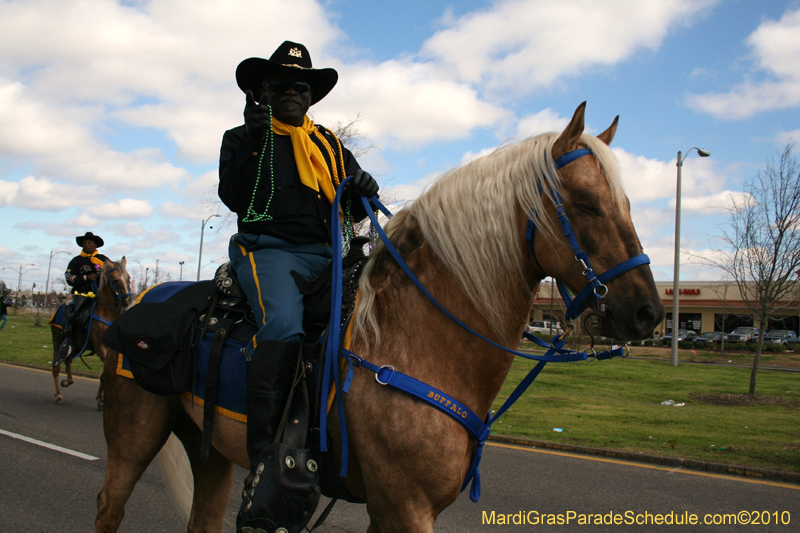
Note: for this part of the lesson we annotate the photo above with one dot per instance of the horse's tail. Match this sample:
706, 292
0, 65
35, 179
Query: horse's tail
177, 474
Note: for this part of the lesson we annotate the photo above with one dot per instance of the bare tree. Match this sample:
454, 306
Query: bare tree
348, 133
762, 238
721, 290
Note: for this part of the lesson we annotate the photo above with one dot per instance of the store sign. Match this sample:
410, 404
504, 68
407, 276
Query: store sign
684, 291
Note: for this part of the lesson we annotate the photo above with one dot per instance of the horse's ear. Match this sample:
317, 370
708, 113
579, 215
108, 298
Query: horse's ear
608, 135
568, 140
123, 261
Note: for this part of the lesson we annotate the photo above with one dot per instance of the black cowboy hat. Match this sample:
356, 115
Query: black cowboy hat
289, 58
89, 235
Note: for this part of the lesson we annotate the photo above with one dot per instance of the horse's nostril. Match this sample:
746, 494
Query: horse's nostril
646, 318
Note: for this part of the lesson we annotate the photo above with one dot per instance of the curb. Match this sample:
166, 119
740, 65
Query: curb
690, 464
83, 374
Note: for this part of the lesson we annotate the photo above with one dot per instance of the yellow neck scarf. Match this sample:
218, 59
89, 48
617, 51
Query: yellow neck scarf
314, 172
93, 258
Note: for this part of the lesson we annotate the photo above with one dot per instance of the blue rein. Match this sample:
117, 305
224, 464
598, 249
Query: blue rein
477, 427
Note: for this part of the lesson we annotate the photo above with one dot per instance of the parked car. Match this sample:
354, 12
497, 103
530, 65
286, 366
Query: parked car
741, 334
793, 343
683, 335
707, 338
778, 336
544, 327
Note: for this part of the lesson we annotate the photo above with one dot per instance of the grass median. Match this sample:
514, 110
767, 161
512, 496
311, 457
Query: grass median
613, 404
23, 342
617, 404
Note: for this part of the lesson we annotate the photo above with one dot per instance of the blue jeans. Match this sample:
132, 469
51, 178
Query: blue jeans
3, 320
263, 265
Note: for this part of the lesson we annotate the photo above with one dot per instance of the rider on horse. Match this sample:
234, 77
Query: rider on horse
278, 173
82, 275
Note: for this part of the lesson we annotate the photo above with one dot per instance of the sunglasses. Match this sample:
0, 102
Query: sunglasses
280, 87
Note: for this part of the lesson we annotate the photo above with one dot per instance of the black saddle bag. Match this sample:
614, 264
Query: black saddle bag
160, 339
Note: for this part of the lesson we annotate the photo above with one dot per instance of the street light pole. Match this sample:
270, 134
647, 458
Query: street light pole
200, 255
181, 264
47, 283
677, 263
19, 280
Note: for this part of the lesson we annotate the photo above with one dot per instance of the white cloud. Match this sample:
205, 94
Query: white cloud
544, 121
787, 137
720, 202
163, 236
58, 139
776, 51
518, 46
407, 192
407, 103
191, 211
649, 179
125, 208
44, 195
180, 54
84, 221
129, 229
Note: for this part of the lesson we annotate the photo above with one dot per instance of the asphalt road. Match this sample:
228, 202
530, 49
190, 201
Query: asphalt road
47, 489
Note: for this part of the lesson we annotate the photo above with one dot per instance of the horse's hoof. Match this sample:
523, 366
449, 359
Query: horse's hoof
99, 406
65, 383
59, 400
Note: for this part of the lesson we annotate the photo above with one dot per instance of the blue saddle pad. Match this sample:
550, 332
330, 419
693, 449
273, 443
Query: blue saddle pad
59, 317
231, 398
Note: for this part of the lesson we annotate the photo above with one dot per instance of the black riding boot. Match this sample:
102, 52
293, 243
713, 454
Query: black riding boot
282, 489
269, 379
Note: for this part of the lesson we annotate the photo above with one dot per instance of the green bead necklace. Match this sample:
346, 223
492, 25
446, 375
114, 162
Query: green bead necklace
252, 216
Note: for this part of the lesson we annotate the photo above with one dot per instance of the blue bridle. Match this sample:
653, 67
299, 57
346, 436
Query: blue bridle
120, 298
596, 285
479, 428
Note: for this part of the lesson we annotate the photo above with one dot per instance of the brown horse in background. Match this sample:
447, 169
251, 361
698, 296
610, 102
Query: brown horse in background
114, 281
465, 240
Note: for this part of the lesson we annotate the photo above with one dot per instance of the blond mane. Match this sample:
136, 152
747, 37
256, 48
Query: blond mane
469, 218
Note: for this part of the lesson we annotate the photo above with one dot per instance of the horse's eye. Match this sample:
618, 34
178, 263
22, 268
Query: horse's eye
589, 209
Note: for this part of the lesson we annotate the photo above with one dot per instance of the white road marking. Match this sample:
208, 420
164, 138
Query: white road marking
50, 446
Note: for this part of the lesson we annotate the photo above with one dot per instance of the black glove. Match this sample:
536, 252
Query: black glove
256, 116
363, 184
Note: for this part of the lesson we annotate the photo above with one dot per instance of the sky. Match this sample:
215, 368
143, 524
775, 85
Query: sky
112, 112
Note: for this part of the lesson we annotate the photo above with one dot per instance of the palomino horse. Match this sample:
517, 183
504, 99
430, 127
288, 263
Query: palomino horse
465, 239
113, 296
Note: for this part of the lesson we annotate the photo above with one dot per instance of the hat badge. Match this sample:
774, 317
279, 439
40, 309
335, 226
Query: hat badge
295, 52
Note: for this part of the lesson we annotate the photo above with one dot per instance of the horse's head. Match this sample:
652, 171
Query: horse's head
598, 211
115, 285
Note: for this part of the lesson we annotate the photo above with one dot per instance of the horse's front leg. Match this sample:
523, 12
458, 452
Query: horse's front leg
136, 425
56, 372
69, 381
101, 353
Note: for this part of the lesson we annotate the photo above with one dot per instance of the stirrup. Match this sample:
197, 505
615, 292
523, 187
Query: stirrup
281, 494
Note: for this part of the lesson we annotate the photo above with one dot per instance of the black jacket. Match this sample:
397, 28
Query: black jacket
300, 215
78, 269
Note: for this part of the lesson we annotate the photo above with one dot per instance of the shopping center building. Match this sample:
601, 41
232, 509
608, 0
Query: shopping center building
703, 306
